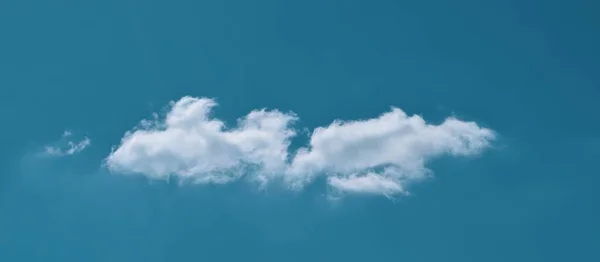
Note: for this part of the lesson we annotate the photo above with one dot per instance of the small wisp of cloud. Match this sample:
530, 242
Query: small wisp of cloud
66, 146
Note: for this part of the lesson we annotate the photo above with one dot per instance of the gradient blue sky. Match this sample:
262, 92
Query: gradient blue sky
527, 69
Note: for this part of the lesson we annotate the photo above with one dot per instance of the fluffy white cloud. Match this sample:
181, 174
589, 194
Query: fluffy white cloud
191, 144
67, 147
378, 156
394, 141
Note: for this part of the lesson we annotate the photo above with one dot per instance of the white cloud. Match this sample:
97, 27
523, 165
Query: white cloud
394, 140
378, 156
66, 147
191, 144
371, 183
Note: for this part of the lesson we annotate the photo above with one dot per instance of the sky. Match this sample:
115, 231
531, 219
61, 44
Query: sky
299, 130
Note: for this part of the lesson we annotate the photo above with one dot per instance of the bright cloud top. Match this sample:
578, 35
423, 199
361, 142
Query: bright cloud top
66, 146
377, 156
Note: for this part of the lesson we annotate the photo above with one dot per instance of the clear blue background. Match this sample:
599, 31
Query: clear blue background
526, 68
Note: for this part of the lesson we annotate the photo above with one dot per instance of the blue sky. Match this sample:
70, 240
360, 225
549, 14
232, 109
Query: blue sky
486, 152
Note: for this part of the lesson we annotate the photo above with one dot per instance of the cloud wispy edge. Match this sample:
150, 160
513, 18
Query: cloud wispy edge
66, 147
380, 155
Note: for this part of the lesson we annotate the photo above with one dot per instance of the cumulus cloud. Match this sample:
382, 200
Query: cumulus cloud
376, 156
66, 147
191, 144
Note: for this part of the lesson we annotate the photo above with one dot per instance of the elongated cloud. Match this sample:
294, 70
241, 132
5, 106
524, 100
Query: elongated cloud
376, 156
66, 147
